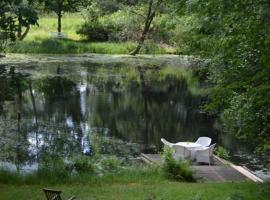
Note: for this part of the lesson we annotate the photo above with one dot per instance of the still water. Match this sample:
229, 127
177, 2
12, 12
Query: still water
66, 108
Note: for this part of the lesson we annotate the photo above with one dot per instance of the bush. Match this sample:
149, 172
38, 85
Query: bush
222, 152
111, 164
84, 165
119, 26
52, 171
123, 26
94, 31
176, 169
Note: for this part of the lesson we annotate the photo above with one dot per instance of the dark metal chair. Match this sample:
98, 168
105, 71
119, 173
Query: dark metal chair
54, 194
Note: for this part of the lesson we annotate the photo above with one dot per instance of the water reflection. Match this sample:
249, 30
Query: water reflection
58, 108
66, 110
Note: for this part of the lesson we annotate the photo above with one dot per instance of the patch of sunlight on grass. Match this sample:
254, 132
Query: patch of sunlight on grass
48, 24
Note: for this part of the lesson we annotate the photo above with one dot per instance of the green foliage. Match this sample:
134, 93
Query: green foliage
16, 15
235, 36
176, 169
94, 32
61, 6
84, 165
118, 26
222, 152
111, 164
52, 170
68, 46
7, 24
26, 16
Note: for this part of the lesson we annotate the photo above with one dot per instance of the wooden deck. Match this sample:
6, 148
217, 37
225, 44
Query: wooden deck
219, 171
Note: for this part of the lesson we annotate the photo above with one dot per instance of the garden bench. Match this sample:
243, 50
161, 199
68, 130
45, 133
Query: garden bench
54, 194
58, 35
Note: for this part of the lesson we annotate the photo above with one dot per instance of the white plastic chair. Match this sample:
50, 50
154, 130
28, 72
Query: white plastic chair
181, 152
204, 141
205, 155
167, 143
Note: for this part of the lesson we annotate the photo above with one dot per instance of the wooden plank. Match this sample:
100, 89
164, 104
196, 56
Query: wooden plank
241, 170
153, 158
220, 171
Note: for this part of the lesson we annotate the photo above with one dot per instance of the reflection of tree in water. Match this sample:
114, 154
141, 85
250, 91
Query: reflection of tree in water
27, 139
146, 104
65, 99
59, 110
13, 138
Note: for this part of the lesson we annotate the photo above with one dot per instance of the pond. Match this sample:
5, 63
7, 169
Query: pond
67, 106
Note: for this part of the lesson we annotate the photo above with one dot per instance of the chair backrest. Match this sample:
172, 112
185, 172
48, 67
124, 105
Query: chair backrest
52, 194
207, 151
211, 149
204, 141
181, 152
166, 142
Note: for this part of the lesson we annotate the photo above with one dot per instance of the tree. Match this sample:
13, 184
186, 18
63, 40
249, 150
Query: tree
61, 6
14, 16
26, 16
235, 35
152, 8
7, 24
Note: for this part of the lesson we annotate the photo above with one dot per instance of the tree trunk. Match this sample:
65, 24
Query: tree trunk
149, 18
25, 33
19, 32
59, 15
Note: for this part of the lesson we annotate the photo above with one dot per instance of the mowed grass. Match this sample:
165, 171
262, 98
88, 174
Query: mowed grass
141, 191
40, 40
131, 184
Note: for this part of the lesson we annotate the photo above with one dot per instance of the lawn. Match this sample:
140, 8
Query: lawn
39, 40
144, 190
131, 184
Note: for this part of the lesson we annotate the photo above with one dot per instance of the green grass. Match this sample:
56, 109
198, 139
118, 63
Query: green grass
70, 46
48, 24
138, 190
59, 175
39, 40
139, 183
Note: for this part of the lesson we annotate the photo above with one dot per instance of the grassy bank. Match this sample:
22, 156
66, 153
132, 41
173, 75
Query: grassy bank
132, 184
144, 190
39, 40
70, 46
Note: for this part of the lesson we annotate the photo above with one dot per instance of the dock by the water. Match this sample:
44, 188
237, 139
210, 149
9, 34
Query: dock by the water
218, 171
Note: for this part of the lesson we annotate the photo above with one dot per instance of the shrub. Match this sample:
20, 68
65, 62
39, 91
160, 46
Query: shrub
176, 169
94, 31
84, 165
52, 170
111, 164
222, 152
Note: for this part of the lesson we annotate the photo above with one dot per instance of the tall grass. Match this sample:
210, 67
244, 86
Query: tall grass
61, 176
70, 46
